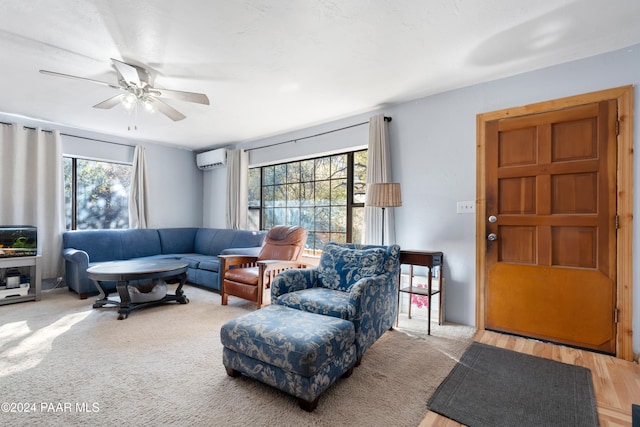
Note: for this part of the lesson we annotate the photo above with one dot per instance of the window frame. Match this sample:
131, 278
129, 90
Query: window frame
350, 203
73, 224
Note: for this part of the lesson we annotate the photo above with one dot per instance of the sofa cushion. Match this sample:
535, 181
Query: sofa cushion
177, 240
212, 241
203, 240
251, 251
137, 243
210, 263
194, 260
100, 245
339, 267
247, 275
246, 238
323, 301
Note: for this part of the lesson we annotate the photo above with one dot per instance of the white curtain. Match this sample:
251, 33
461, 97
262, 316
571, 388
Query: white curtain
237, 197
138, 215
32, 189
378, 170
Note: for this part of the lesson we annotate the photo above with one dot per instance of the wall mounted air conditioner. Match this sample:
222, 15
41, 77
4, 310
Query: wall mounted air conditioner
212, 159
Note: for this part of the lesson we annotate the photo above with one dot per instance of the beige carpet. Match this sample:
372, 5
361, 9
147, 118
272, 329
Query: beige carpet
64, 363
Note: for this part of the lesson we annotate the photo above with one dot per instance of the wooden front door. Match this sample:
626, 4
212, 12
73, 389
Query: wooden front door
551, 225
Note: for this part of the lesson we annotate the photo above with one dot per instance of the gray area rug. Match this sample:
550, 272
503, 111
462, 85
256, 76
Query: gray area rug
495, 387
63, 363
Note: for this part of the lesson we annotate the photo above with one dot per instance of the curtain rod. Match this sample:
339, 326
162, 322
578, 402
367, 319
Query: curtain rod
98, 140
386, 119
73, 136
27, 127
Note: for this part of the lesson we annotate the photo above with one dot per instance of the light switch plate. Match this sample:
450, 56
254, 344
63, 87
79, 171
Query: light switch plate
466, 207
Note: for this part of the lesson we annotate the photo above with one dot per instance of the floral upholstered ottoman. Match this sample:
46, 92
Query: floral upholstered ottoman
297, 352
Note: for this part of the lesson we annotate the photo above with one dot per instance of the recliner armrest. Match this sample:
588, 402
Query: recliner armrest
238, 261
250, 251
276, 264
268, 269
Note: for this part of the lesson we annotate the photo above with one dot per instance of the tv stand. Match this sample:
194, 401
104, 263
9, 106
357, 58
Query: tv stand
35, 280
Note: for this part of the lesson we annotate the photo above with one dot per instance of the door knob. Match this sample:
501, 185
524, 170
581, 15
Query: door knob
492, 237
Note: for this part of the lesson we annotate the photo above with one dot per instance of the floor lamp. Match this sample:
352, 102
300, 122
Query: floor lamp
383, 195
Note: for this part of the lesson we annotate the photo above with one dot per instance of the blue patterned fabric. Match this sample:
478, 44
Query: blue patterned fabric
328, 302
293, 340
371, 302
296, 279
306, 388
298, 352
341, 267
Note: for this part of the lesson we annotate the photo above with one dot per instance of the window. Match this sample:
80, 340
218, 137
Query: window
96, 194
325, 195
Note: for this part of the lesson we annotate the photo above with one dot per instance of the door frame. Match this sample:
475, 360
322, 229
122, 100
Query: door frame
624, 200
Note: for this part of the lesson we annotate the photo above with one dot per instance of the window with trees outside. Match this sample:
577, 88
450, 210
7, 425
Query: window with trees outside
96, 194
325, 195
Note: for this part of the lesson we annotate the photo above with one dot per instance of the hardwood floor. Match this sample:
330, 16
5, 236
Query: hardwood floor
616, 382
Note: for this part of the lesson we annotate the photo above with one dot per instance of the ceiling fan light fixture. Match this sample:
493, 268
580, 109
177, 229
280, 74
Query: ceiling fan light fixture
148, 105
129, 101
136, 86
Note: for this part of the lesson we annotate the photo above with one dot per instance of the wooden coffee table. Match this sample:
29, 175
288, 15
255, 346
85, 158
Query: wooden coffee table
123, 272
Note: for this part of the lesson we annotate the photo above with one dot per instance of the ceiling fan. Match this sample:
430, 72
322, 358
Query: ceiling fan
136, 85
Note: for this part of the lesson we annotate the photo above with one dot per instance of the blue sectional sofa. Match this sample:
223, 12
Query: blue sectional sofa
199, 247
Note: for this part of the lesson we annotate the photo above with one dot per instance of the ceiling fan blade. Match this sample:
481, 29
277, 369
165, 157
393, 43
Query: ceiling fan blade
111, 102
200, 98
128, 73
69, 76
166, 109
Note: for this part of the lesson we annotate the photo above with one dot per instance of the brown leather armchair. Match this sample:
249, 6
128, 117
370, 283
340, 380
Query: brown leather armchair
247, 276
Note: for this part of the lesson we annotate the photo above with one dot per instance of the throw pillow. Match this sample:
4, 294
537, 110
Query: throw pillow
341, 267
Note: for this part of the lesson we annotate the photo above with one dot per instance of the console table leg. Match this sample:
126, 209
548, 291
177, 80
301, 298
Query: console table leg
410, 287
429, 290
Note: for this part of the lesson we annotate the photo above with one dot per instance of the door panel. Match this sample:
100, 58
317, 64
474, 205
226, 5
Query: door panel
551, 304
550, 181
518, 244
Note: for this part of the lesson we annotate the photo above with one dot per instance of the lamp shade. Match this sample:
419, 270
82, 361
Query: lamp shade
383, 195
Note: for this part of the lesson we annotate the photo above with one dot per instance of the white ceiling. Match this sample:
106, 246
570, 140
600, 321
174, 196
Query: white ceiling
271, 66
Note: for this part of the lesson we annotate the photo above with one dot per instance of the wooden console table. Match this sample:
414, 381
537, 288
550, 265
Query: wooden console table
430, 260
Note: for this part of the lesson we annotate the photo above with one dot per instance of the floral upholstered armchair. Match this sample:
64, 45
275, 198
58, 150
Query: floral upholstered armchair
358, 283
